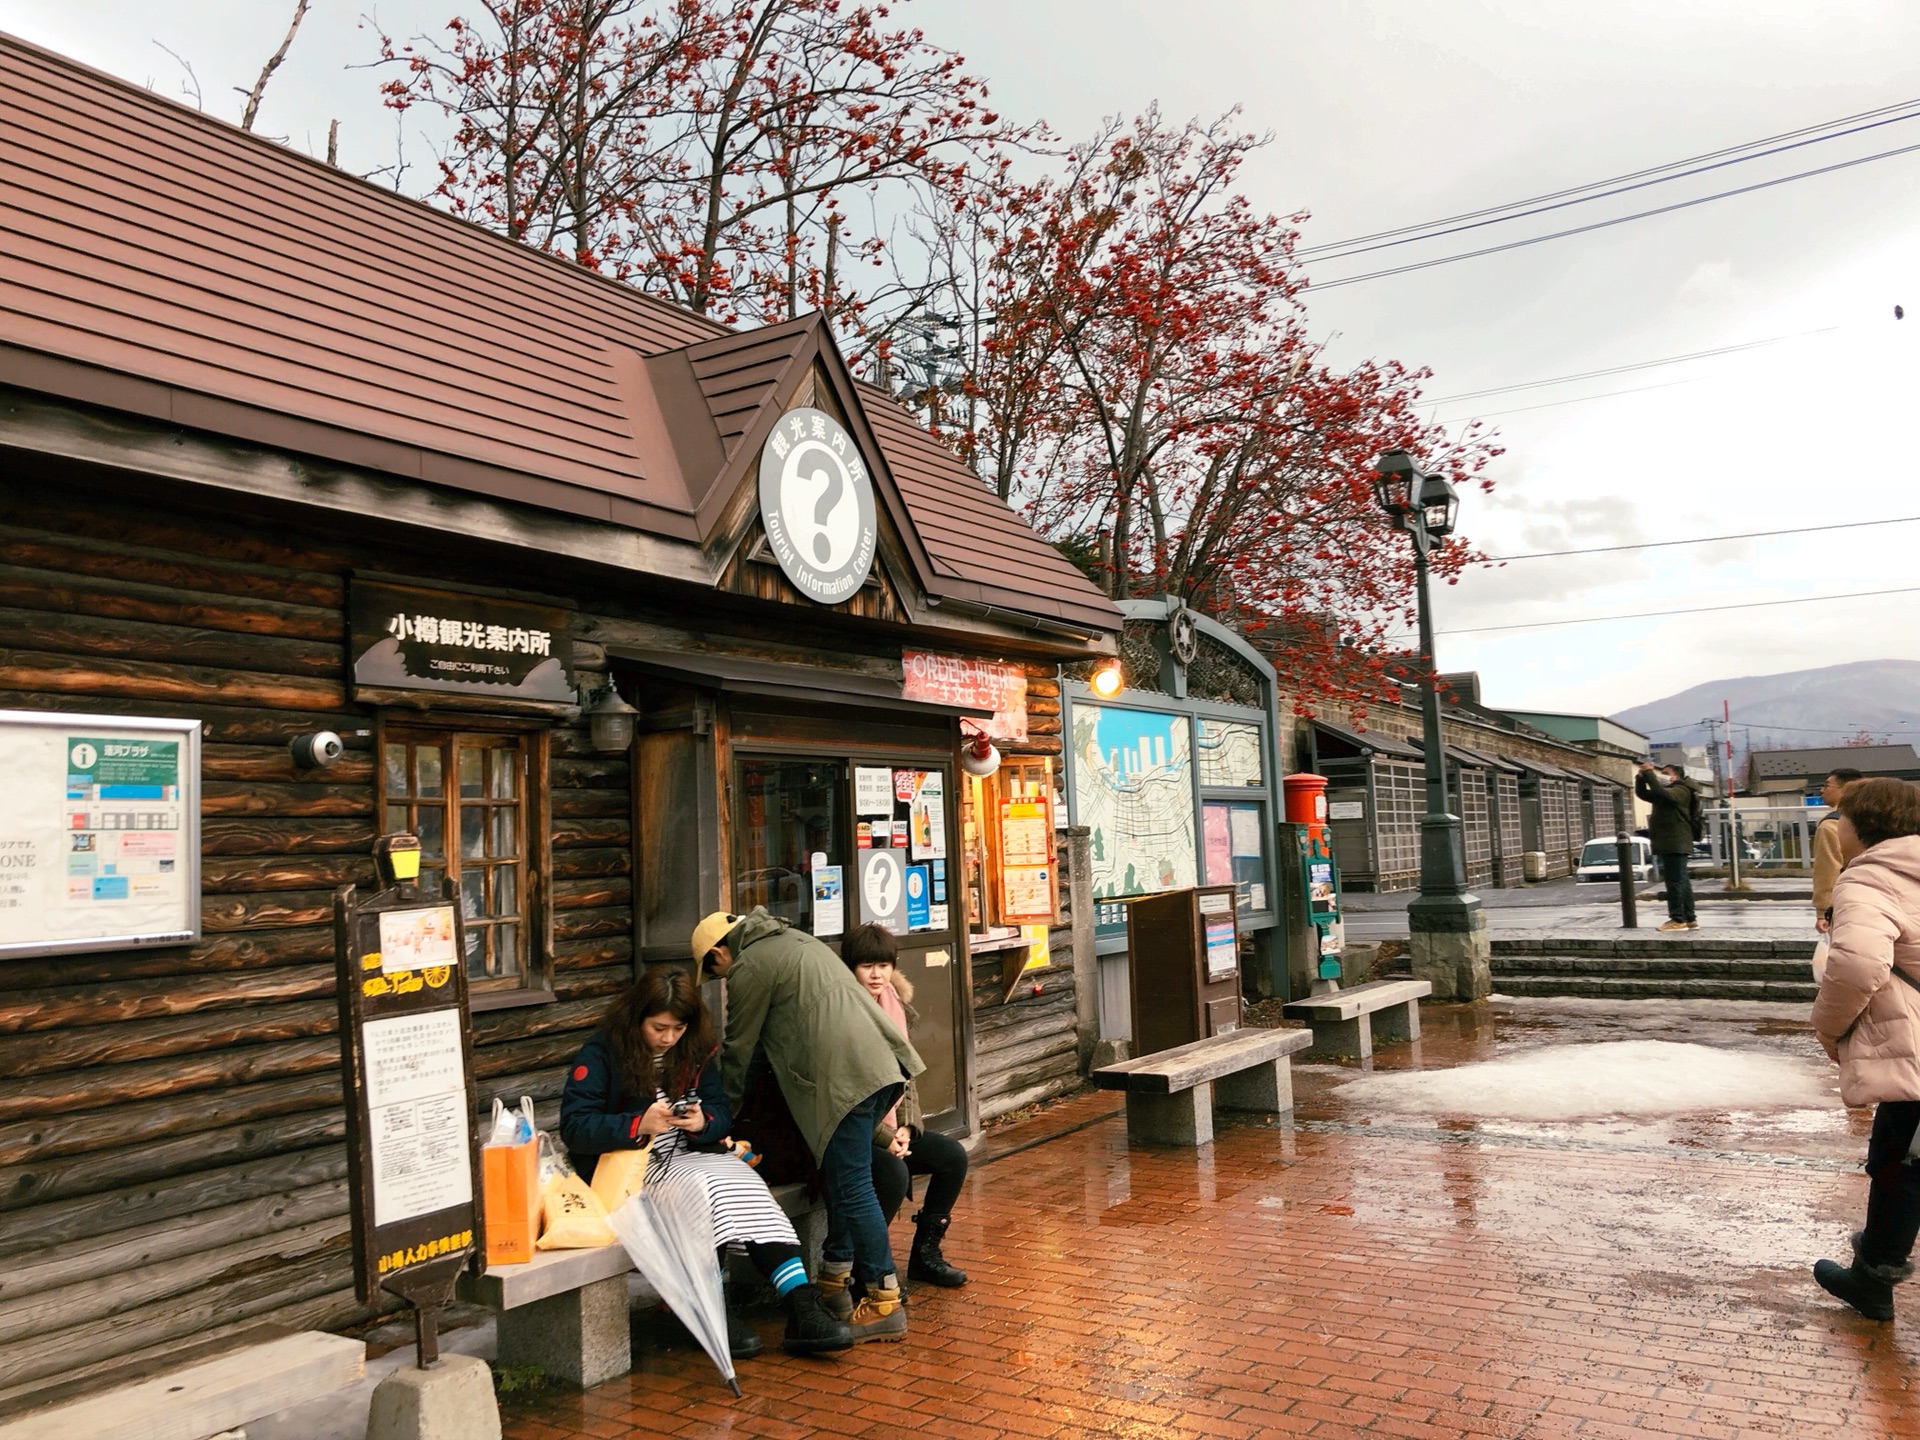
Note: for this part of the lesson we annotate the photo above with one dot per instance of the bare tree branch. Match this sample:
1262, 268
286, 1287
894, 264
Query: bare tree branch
191, 85
273, 64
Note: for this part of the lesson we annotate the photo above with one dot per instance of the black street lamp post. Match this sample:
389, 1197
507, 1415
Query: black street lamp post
1447, 928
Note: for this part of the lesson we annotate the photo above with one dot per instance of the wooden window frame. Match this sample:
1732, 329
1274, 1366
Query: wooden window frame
535, 984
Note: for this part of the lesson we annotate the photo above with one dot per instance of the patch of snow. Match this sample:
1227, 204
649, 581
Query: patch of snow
1621, 1077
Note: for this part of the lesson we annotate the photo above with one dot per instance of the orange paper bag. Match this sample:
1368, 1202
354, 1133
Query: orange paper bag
510, 1185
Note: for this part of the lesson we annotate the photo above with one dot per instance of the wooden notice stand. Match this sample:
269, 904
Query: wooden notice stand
406, 1050
1183, 962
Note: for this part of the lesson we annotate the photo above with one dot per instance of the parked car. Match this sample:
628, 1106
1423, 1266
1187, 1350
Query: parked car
1600, 860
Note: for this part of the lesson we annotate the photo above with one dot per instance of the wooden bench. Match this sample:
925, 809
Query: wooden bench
567, 1311
1171, 1095
1347, 1022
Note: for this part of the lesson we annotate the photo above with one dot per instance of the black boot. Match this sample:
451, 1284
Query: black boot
926, 1262
1867, 1288
812, 1329
743, 1341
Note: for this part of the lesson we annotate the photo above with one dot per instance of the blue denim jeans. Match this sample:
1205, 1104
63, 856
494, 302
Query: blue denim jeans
1673, 870
856, 1226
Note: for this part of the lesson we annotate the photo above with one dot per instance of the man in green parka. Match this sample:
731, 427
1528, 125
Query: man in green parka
840, 1065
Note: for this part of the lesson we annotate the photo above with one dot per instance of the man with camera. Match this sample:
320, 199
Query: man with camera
1672, 830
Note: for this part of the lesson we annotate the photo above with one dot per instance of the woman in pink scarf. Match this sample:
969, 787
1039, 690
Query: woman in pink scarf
902, 1146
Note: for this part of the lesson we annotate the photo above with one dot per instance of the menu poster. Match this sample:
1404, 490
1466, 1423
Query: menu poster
1026, 860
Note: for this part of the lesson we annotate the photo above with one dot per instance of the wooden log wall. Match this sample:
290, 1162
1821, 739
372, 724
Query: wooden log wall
1026, 1049
171, 1159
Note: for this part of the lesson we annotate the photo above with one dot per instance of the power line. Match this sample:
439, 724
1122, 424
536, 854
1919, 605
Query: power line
1693, 610
1703, 539
1575, 400
1607, 224
1629, 368
1430, 233
1615, 180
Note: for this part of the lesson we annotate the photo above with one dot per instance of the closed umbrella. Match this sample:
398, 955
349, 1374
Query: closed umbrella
668, 1233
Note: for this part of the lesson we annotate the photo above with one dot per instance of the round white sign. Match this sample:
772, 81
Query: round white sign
816, 501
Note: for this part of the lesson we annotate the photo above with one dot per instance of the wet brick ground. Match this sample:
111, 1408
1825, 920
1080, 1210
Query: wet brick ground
1350, 1275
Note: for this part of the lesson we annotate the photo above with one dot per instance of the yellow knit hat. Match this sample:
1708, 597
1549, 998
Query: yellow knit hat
709, 933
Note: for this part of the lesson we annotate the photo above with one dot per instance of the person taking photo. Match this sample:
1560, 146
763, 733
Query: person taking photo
1671, 832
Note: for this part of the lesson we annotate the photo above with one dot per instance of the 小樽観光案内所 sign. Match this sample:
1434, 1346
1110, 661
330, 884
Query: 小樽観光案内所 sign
410, 638
99, 832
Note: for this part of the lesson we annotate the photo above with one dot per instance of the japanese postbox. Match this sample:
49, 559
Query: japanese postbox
1319, 898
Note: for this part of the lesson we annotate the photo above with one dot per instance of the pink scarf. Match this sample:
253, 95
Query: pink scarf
889, 1000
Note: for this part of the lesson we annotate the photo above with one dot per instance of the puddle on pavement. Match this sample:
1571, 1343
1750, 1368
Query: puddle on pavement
1736, 1086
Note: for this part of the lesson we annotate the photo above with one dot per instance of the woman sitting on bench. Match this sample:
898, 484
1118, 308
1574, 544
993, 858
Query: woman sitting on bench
902, 1147
647, 1079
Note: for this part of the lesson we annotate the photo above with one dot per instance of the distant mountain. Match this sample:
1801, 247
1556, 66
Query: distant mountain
1801, 709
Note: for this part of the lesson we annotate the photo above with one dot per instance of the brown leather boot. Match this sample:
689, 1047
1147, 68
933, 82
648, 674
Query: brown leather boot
880, 1315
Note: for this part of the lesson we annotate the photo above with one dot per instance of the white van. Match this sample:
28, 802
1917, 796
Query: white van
1600, 860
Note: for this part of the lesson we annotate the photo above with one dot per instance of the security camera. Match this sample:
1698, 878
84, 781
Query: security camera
317, 750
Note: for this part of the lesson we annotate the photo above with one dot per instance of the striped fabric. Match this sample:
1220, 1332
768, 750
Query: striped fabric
743, 1209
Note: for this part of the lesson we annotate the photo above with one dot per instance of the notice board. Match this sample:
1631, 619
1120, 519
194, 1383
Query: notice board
99, 832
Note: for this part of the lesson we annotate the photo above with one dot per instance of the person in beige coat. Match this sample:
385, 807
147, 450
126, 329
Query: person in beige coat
1867, 1016
1828, 862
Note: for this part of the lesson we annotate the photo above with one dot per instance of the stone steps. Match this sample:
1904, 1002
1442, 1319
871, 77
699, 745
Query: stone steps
1654, 967
1666, 987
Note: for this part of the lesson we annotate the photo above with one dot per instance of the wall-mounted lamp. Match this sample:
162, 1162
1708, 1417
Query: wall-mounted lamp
610, 721
1108, 680
979, 756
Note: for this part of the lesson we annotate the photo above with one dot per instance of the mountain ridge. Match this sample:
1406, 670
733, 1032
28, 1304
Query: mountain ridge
1795, 709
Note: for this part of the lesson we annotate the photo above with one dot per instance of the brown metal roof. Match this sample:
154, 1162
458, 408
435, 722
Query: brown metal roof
156, 261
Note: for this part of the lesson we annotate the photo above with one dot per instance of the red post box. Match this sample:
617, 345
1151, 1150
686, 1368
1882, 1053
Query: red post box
1306, 800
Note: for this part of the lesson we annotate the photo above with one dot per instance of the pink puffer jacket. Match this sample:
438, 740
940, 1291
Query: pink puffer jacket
1873, 1013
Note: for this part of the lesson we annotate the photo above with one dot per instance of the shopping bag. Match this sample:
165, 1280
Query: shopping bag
510, 1186
571, 1215
618, 1176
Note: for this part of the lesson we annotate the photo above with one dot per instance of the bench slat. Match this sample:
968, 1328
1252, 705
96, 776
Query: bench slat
1360, 1000
1169, 1072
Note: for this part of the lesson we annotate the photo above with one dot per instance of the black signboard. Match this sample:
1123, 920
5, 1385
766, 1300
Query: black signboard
406, 1046
453, 643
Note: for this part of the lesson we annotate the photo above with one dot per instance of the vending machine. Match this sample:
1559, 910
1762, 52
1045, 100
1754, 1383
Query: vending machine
1320, 929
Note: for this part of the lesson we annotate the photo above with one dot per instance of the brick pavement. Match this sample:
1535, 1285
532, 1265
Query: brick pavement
1337, 1280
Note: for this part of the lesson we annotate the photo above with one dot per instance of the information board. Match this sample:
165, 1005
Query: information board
99, 832
406, 1050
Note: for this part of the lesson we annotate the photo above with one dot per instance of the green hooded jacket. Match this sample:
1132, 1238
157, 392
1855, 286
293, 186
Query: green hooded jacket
829, 1045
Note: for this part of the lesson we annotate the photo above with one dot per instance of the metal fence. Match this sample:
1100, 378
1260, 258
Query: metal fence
1776, 838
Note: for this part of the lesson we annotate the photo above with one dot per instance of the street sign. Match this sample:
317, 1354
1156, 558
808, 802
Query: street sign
406, 1051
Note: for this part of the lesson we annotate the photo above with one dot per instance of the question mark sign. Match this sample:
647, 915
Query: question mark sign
833, 486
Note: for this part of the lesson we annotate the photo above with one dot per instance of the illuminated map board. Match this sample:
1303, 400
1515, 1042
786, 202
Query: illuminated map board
99, 832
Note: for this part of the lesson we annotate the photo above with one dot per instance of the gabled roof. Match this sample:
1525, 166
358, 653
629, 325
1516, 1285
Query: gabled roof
1818, 764
162, 263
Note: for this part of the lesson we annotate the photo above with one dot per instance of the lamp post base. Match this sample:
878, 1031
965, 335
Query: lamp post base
1448, 943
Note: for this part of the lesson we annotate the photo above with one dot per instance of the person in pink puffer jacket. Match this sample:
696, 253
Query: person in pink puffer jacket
1867, 1016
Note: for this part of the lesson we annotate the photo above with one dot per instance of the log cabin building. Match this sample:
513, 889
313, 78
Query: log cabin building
284, 453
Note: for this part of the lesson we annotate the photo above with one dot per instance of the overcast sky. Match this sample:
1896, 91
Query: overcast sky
1388, 114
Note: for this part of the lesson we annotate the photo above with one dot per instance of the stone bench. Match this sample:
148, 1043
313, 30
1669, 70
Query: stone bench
1171, 1096
567, 1311
1347, 1022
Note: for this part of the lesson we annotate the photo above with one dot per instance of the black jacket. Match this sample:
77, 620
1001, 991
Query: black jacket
599, 1113
1671, 828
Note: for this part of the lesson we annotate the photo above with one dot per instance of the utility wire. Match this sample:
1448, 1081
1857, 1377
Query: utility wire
1630, 368
1336, 253
1616, 180
1574, 400
1702, 539
1692, 610
1606, 224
